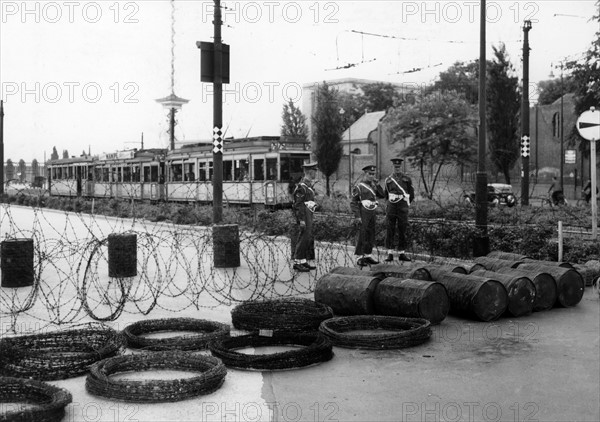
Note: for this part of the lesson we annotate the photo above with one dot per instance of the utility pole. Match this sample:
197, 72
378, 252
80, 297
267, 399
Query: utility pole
218, 117
525, 139
481, 242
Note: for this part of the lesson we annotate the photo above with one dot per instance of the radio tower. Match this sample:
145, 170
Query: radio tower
173, 103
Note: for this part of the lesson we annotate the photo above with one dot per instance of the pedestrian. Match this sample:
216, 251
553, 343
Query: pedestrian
400, 193
364, 206
587, 191
303, 207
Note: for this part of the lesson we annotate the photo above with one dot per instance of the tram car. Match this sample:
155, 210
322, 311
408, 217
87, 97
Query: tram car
256, 171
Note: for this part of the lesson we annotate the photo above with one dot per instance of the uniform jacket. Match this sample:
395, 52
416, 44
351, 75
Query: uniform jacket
304, 199
364, 196
399, 191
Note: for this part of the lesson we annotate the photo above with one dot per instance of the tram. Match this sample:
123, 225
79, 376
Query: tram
256, 171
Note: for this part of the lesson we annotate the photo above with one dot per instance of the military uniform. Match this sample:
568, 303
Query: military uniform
364, 205
303, 208
400, 193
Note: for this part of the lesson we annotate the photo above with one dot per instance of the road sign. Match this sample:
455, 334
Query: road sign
588, 125
570, 156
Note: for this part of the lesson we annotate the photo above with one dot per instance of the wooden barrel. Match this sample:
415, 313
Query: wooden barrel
569, 283
561, 264
545, 287
473, 267
347, 294
402, 271
356, 271
226, 246
492, 264
588, 273
520, 290
436, 270
412, 299
16, 260
509, 256
475, 297
122, 255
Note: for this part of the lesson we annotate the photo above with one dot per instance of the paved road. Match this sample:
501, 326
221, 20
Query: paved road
542, 367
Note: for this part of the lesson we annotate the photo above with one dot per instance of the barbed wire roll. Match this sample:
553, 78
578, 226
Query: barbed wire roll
404, 332
290, 314
208, 331
58, 355
16, 260
211, 376
47, 402
122, 255
315, 348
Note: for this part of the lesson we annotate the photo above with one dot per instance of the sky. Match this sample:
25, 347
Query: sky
84, 75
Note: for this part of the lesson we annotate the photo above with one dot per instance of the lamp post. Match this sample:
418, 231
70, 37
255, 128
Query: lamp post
342, 111
562, 95
525, 139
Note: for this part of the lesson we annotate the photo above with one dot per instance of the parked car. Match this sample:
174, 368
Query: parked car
498, 194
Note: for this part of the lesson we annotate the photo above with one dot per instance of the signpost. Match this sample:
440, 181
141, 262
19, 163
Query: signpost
588, 125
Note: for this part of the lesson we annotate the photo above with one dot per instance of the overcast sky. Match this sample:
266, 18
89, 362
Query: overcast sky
83, 75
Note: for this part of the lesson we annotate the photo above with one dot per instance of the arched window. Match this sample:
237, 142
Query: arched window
556, 124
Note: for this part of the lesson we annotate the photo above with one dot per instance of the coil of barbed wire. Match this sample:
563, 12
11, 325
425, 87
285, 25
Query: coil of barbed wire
211, 375
47, 403
398, 332
205, 332
60, 354
287, 314
314, 348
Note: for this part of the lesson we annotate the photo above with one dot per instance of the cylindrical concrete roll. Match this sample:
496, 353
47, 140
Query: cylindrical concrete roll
402, 271
569, 283
356, 271
520, 290
475, 297
347, 294
122, 255
561, 264
412, 298
493, 264
545, 287
509, 256
436, 270
16, 260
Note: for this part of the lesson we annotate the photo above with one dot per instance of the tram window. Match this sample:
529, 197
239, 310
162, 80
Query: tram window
285, 168
202, 172
227, 170
271, 168
259, 169
98, 174
154, 174
295, 167
90, 173
210, 171
146, 174
176, 172
127, 174
70, 172
190, 175
135, 173
241, 171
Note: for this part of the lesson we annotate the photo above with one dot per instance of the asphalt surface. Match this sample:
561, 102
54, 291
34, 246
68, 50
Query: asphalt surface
541, 367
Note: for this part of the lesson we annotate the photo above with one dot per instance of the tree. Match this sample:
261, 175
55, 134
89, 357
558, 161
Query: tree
294, 122
377, 96
9, 169
328, 132
54, 155
35, 168
22, 170
503, 107
65, 153
552, 90
441, 129
460, 77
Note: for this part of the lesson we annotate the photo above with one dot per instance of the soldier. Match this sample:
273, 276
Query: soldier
400, 193
364, 204
304, 206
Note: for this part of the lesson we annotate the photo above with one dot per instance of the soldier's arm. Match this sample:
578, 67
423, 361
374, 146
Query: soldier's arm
355, 202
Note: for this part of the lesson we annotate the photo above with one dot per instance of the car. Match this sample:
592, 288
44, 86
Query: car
498, 194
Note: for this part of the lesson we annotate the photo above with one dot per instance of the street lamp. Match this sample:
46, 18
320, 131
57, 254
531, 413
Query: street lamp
342, 112
562, 94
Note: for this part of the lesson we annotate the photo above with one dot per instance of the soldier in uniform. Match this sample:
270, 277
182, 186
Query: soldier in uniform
304, 206
364, 204
400, 193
